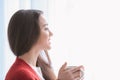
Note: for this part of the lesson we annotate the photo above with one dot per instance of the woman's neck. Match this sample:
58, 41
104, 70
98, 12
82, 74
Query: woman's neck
30, 57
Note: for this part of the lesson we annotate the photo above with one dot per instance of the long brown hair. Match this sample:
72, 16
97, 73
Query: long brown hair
23, 30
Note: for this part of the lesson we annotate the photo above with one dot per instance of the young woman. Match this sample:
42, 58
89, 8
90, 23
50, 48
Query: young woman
28, 36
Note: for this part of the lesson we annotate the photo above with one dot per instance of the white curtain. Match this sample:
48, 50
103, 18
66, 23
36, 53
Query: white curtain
2, 38
87, 32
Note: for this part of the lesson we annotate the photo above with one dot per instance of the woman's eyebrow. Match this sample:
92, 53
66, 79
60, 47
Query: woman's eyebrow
45, 25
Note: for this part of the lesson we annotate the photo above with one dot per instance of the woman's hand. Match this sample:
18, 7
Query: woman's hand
69, 73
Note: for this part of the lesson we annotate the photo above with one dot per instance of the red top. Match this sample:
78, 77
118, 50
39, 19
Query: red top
20, 70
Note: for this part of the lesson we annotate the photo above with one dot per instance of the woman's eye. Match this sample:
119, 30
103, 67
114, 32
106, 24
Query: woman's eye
46, 28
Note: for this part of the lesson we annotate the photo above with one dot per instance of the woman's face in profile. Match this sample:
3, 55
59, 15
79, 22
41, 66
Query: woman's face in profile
45, 34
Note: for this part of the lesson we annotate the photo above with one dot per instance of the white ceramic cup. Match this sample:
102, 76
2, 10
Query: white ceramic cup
81, 72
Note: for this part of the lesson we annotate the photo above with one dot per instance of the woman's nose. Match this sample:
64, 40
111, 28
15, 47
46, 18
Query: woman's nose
50, 33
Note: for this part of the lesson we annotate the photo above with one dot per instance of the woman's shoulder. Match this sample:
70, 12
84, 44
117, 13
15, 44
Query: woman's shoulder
20, 71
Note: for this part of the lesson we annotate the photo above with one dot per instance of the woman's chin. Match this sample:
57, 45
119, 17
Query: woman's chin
48, 48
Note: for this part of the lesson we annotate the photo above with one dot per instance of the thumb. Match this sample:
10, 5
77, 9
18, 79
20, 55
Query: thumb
63, 66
